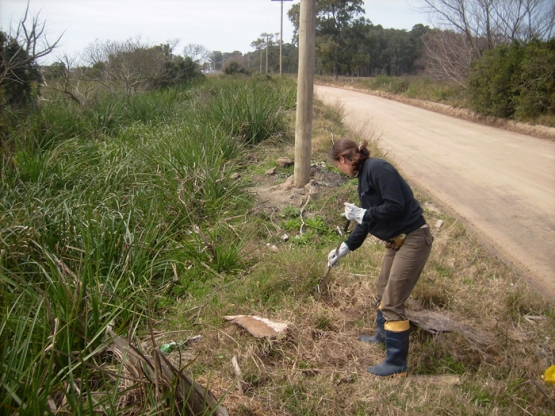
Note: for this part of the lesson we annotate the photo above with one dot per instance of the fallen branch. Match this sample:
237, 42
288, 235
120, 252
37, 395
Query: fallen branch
189, 394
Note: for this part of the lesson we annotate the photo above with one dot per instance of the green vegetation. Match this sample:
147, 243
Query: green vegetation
142, 223
132, 212
515, 81
107, 213
519, 98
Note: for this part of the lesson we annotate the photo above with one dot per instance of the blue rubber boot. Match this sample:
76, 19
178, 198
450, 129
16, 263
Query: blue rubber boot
396, 350
379, 338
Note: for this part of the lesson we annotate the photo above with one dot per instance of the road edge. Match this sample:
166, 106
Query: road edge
534, 130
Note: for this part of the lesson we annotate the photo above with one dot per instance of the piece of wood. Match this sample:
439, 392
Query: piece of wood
436, 323
257, 326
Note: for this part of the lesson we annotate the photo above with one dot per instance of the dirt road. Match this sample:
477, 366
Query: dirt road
501, 184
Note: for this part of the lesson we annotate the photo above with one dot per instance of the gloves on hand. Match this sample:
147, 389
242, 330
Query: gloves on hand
354, 213
335, 255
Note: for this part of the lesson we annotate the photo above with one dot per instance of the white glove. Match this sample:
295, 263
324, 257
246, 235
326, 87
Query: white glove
335, 255
354, 213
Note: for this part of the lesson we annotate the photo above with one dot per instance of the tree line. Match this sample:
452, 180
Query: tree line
468, 43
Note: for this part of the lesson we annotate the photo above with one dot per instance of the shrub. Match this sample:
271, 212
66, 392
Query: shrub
515, 80
536, 86
492, 81
234, 67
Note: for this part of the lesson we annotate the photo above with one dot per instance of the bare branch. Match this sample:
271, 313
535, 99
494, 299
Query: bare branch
448, 55
482, 25
29, 43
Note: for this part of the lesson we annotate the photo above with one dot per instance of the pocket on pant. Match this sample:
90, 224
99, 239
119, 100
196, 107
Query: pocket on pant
429, 236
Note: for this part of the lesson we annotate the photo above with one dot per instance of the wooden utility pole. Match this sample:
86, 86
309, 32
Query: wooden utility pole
267, 52
280, 37
305, 93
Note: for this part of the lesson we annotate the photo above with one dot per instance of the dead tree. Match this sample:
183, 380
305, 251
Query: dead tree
71, 82
22, 47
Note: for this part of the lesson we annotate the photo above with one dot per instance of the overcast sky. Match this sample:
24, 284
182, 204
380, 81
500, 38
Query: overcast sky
218, 25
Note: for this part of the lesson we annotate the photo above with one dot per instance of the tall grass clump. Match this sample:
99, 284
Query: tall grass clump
55, 120
106, 213
253, 109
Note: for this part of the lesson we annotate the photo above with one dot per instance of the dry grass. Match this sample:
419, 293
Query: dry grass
318, 367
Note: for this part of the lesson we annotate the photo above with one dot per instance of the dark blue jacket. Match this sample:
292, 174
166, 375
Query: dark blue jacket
389, 202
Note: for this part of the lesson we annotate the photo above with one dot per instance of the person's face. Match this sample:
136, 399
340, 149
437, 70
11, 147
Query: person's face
345, 166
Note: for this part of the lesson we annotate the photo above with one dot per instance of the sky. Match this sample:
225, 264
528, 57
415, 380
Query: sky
218, 25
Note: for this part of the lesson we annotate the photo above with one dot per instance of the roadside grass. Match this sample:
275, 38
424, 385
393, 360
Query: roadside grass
107, 215
318, 367
419, 87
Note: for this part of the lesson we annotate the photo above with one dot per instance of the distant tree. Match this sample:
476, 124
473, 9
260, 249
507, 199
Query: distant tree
235, 63
198, 54
336, 34
449, 56
416, 35
259, 45
271, 51
347, 44
216, 59
133, 65
255, 60
392, 51
179, 70
290, 58
236, 56
54, 70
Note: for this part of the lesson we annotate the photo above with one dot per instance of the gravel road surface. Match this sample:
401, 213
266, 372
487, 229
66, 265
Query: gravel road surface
501, 184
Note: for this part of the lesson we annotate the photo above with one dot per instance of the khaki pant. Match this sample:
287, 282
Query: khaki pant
400, 272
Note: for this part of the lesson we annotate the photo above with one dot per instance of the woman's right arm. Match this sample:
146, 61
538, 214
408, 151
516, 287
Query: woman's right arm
357, 237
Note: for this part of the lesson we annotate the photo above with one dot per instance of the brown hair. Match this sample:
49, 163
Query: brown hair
347, 148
